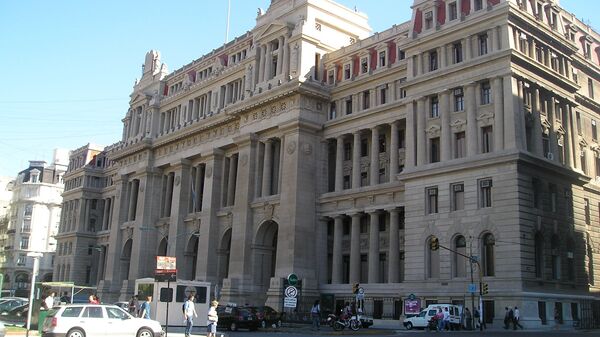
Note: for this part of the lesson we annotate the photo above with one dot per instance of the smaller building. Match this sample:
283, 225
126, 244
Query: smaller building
32, 222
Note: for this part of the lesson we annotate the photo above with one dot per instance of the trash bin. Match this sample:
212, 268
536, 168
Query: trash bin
41, 319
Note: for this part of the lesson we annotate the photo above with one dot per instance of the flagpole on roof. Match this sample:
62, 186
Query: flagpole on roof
228, 15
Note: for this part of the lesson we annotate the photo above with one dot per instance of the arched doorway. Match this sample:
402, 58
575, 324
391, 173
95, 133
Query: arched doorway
191, 258
224, 255
265, 254
125, 260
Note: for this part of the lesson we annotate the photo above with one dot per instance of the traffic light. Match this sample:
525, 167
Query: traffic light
484, 288
355, 288
434, 244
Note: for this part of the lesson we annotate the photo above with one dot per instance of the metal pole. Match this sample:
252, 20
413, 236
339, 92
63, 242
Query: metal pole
228, 15
36, 266
167, 322
472, 282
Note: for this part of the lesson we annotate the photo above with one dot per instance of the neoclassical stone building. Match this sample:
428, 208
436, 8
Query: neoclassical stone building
311, 145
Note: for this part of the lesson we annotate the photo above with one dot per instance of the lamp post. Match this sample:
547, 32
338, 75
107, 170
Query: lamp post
36, 266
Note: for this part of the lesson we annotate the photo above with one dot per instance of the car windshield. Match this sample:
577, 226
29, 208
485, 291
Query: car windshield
72, 312
116, 313
422, 313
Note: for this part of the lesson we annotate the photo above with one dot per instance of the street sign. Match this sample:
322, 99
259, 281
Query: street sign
472, 288
166, 268
291, 292
290, 302
292, 279
411, 297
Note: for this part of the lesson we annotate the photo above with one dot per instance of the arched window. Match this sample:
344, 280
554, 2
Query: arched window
459, 261
22, 281
555, 244
539, 255
432, 263
487, 254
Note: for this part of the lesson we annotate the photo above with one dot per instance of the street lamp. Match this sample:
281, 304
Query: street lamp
36, 266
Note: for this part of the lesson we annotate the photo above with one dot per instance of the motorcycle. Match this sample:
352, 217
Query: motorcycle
339, 323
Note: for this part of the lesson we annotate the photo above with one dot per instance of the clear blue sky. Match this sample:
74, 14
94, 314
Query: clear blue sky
68, 66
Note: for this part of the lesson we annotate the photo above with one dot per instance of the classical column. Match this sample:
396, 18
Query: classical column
498, 114
336, 268
321, 239
493, 39
468, 45
262, 52
355, 248
421, 140
536, 131
394, 248
443, 51
133, 195
169, 196
471, 120
279, 57
551, 111
267, 168
446, 140
231, 179
394, 143
339, 169
286, 58
268, 61
409, 161
566, 140
510, 105
356, 160
374, 247
374, 156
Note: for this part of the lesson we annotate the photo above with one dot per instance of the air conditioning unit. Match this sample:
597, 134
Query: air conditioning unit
458, 187
486, 183
550, 156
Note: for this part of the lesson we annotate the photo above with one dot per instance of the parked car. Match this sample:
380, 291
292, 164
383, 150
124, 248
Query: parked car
267, 316
423, 318
8, 304
15, 316
2, 330
97, 320
233, 318
123, 305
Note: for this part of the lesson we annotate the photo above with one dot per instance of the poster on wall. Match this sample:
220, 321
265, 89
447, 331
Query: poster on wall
412, 306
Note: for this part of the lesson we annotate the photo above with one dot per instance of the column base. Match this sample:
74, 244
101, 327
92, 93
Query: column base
127, 290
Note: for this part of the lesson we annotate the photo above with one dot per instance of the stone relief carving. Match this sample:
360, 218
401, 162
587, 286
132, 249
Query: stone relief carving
307, 148
177, 180
244, 159
486, 118
433, 130
291, 147
209, 171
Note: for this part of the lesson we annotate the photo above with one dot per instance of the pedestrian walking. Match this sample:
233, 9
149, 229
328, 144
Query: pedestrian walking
146, 308
315, 312
557, 319
133, 306
189, 312
446, 319
516, 319
213, 319
439, 319
506, 321
469, 319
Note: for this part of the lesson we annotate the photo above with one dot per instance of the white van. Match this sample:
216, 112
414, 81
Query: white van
423, 318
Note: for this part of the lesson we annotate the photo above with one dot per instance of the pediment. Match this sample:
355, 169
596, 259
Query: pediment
274, 28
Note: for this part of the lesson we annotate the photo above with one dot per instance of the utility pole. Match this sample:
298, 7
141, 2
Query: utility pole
472, 282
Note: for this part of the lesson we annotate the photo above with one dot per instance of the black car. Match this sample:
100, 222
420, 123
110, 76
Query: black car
16, 316
267, 316
233, 318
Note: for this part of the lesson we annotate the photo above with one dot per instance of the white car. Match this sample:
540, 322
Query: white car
97, 320
423, 318
2, 330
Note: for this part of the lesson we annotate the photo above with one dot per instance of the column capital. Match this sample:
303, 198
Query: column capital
395, 123
214, 153
392, 210
355, 214
245, 139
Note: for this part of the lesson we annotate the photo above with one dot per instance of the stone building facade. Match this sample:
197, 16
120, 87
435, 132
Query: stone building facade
310, 145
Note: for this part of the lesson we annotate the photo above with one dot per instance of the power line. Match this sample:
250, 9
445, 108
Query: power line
64, 101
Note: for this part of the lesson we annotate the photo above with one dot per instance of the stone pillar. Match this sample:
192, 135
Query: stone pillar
374, 247
443, 56
468, 48
285, 58
169, 195
338, 231
133, 195
536, 131
498, 114
321, 231
355, 249
493, 39
394, 143
566, 140
552, 119
446, 140
394, 248
339, 170
263, 55
279, 57
268, 61
374, 156
267, 168
356, 160
514, 125
421, 140
471, 120
409, 161
231, 179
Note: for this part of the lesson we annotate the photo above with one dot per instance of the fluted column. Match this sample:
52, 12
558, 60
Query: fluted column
374, 247
286, 58
421, 141
536, 132
339, 161
574, 138
279, 57
498, 114
567, 140
267, 168
169, 196
263, 56
356, 160
374, 156
394, 248
268, 61
336, 268
355, 248
551, 109
446, 141
409, 161
393, 150
471, 120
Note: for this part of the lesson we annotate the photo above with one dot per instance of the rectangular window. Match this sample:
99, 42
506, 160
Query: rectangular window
432, 200
401, 54
459, 99
578, 117
347, 151
381, 176
486, 93
583, 159
458, 196
332, 111
382, 144
553, 197
485, 193
478, 5
349, 106
460, 145
591, 88
364, 147
586, 208
486, 139
330, 76
346, 182
428, 20
347, 71
434, 148
366, 99
382, 55
383, 95
457, 54
594, 130
483, 44
536, 186
364, 181
435, 107
364, 65
24, 243
453, 11
433, 60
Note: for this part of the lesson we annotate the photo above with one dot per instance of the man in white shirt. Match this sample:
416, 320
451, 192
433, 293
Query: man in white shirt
189, 312
49, 301
517, 316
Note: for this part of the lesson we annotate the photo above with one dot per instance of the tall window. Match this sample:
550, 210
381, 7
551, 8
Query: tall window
555, 244
570, 262
459, 99
487, 254
349, 106
486, 93
539, 255
364, 65
433, 261
366, 99
485, 193
458, 196
453, 11
483, 43
432, 200
586, 210
591, 88
433, 60
347, 71
460, 145
594, 130
459, 261
478, 5
457, 54
434, 148
583, 158
435, 107
428, 20
332, 111
578, 119
382, 58
486, 139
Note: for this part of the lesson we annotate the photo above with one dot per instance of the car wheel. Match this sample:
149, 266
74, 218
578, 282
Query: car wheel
75, 333
145, 332
263, 324
233, 326
409, 326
